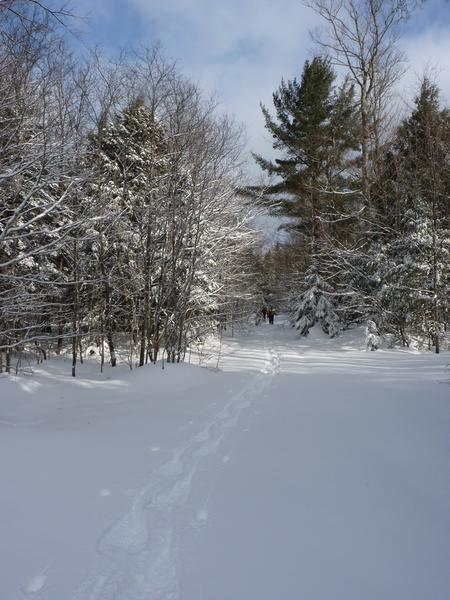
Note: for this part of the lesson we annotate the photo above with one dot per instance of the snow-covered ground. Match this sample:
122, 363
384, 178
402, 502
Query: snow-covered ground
303, 469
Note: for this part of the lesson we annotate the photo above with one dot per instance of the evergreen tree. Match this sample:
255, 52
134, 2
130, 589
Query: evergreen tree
316, 129
414, 274
131, 167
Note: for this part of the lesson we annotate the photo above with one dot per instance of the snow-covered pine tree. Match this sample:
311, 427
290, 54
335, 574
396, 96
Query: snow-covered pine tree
130, 161
413, 299
315, 305
315, 127
165, 193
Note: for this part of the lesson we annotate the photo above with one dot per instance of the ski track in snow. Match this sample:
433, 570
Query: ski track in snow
37, 583
18, 424
139, 551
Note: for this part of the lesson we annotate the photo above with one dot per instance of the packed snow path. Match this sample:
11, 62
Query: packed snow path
302, 469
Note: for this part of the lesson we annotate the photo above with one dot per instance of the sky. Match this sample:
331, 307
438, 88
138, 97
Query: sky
240, 49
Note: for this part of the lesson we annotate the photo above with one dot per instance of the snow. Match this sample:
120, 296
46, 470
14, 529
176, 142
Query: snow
302, 468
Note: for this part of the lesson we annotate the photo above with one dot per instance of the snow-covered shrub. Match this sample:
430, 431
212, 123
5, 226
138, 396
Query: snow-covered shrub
315, 305
373, 339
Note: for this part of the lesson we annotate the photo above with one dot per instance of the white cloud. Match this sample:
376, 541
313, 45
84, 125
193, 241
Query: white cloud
239, 48
428, 53
242, 48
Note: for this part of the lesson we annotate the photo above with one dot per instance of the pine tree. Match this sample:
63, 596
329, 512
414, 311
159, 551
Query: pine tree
316, 129
131, 166
414, 292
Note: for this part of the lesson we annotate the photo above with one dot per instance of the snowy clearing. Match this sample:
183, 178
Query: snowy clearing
302, 469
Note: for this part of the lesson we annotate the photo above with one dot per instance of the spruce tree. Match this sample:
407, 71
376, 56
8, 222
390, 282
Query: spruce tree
131, 167
414, 276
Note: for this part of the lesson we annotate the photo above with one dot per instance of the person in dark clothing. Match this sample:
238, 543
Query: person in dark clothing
264, 312
271, 315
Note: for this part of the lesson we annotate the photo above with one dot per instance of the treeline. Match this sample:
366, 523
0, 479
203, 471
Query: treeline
367, 193
119, 224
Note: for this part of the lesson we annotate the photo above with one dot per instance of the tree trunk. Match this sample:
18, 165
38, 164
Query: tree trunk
365, 141
75, 309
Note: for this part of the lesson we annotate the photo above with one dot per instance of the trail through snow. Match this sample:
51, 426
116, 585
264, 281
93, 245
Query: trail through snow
302, 469
141, 548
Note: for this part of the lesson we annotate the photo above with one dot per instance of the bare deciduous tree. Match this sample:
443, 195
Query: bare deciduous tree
361, 36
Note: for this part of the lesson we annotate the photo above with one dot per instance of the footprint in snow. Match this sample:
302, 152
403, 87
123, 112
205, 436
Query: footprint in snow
225, 459
202, 515
35, 584
105, 493
154, 449
203, 436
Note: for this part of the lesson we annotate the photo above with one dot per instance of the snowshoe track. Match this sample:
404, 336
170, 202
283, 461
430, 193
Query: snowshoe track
139, 551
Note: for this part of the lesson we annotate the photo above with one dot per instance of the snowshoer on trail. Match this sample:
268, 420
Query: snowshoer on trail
264, 313
271, 314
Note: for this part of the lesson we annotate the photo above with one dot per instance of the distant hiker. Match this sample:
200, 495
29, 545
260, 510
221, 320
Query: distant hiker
264, 313
271, 315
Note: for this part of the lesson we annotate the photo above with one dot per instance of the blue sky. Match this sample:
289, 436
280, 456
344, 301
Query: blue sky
240, 49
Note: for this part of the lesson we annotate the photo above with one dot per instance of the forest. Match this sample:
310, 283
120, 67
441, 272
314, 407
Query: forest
127, 225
